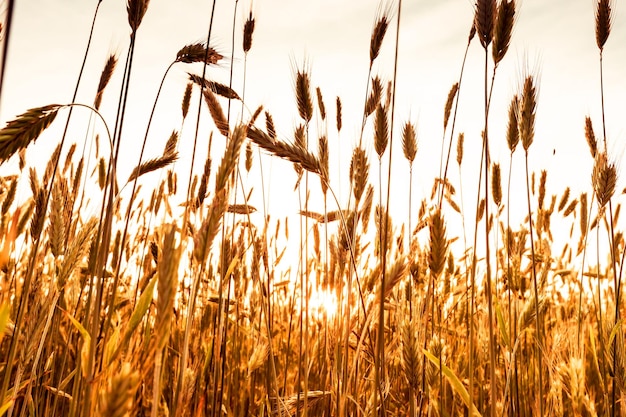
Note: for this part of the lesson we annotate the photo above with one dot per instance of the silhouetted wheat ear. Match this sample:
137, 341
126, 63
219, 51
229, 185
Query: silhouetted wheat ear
496, 184
198, 52
217, 113
19, 133
303, 95
374, 98
591, 137
215, 87
438, 243
136, 10
105, 77
320, 103
484, 21
153, 165
323, 156
378, 35
339, 120
604, 178
359, 171
512, 132
459, 148
381, 130
448, 108
186, 100
409, 142
248, 31
249, 157
526, 116
604, 20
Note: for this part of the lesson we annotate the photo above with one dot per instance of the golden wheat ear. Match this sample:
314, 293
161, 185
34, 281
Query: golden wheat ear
19, 133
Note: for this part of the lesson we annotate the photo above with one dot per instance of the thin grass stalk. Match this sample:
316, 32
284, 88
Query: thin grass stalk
35, 249
5, 48
176, 403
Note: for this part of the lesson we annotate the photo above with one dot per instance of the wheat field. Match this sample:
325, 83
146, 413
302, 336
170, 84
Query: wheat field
167, 292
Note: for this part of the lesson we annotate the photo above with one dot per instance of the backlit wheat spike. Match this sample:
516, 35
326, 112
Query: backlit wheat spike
241, 209
409, 142
105, 77
186, 100
542, 188
411, 353
484, 20
339, 120
604, 20
323, 158
153, 165
359, 170
77, 251
381, 130
258, 357
215, 87
459, 149
512, 132
378, 34
136, 10
303, 95
375, 96
438, 243
217, 113
198, 52
591, 137
583, 214
320, 103
449, 102
19, 133
526, 115
570, 208
496, 184
118, 399
249, 157
167, 273
171, 144
564, 199
284, 150
503, 29
248, 31
604, 178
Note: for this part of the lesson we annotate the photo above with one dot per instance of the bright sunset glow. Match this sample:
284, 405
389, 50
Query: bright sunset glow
312, 208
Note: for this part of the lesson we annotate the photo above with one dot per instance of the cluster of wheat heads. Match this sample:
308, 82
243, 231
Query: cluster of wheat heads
178, 301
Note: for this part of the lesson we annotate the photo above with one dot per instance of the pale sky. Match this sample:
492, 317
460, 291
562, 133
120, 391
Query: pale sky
554, 36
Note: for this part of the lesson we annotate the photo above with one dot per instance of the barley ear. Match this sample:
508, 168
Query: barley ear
527, 109
381, 130
459, 149
303, 95
378, 35
449, 102
136, 10
496, 184
604, 178
512, 132
591, 137
484, 20
105, 77
248, 31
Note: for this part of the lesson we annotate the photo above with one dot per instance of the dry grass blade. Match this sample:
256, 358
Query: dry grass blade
484, 20
604, 20
409, 142
153, 165
438, 243
217, 88
136, 10
248, 31
105, 77
448, 108
198, 52
19, 133
503, 30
